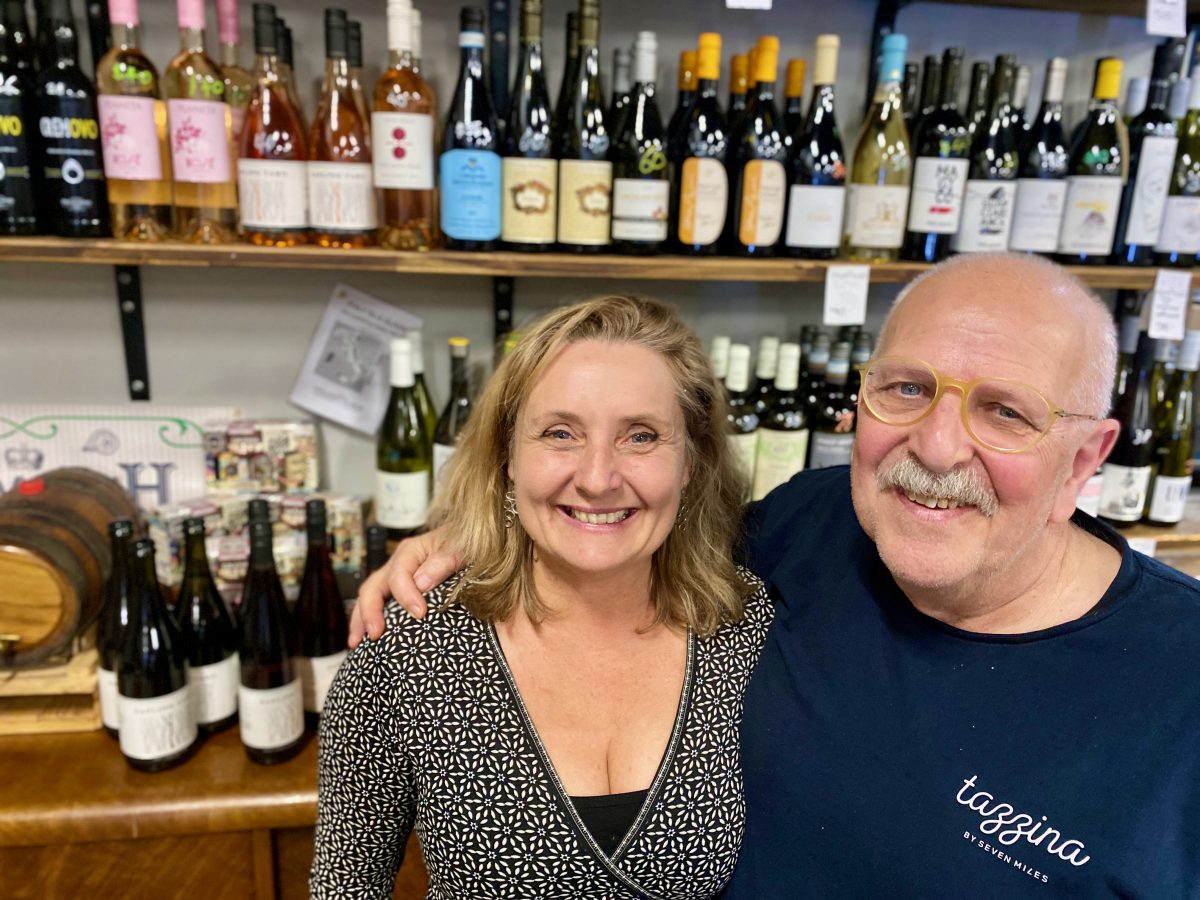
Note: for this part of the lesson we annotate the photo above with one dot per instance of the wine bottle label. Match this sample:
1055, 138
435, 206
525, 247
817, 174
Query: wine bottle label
200, 134
402, 150
779, 456
1037, 214
401, 498
639, 209
72, 159
16, 182
1088, 500
271, 718
1155, 165
986, 216
110, 698
830, 449
814, 217
1090, 216
584, 201
441, 456
876, 215
273, 193
529, 202
937, 194
341, 196
1123, 493
129, 136
1180, 226
215, 689
316, 675
703, 196
1168, 498
156, 727
470, 181
764, 191
745, 449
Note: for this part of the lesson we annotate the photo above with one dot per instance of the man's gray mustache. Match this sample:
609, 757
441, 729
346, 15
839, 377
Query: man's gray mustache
962, 485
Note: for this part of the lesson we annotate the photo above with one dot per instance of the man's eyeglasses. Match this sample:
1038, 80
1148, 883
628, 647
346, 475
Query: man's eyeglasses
1000, 414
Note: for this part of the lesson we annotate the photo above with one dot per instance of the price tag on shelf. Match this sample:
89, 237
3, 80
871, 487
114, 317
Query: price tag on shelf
1169, 303
1166, 17
846, 295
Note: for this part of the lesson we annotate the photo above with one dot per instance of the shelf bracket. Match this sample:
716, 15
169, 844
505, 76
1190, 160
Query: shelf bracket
502, 308
498, 54
133, 331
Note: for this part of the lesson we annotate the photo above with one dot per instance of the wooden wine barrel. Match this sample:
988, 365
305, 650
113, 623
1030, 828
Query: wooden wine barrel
54, 560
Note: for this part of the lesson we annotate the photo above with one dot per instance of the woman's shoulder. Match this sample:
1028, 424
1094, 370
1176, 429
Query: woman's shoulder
445, 619
757, 612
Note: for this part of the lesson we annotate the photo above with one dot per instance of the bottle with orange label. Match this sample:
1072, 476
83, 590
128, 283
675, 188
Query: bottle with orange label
755, 164
699, 181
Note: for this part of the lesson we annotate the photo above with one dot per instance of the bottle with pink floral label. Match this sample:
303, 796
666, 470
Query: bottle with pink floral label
133, 133
199, 126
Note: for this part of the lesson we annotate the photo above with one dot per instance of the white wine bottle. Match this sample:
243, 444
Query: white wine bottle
881, 169
743, 420
783, 432
403, 457
1174, 440
458, 408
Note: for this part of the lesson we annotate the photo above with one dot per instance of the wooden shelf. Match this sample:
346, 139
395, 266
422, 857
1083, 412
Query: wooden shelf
108, 252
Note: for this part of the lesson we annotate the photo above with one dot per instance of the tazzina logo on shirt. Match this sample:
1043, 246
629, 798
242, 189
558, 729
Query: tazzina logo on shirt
1004, 825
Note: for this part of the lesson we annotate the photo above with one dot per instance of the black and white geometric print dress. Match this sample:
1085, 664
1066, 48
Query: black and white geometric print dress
424, 729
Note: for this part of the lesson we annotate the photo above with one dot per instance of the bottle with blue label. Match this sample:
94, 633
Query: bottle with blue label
469, 167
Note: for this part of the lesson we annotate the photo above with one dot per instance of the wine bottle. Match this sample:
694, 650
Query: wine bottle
1152, 144
755, 165
469, 167
932, 91
529, 171
210, 641
689, 84
570, 71
416, 39
402, 135
200, 123
270, 694
941, 144
1160, 377
793, 98
764, 373
817, 167
1174, 430
341, 188
1020, 100
977, 96
114, 617
1179, 237
831, 418
403, 463
641, 189
354, 56
622, 86
739, 88
718, 357
133, 132
283, 39
1042, 177
319, 618
1096, 172
273, 155
742, 417
815, 366
1137, 93
377, 554
420, 388
1129, 466
910, 93
699, 182
72, 172
18, 202
783, 430
457, 410
239, 84
992, 174
158, 726
881, 168
581, 145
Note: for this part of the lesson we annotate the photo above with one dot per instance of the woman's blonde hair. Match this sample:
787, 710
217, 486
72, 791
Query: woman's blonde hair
694, 582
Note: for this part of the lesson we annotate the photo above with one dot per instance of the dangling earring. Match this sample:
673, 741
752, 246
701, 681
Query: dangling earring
510, 508
681, 513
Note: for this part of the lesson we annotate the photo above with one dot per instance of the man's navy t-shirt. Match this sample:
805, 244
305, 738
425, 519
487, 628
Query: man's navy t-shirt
887, 754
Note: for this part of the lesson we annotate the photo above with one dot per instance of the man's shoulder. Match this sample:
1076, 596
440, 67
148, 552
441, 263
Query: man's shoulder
1164, 585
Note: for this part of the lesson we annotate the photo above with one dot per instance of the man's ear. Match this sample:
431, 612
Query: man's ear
1091, 453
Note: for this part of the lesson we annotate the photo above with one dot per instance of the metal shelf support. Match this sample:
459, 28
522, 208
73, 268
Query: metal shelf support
133, 331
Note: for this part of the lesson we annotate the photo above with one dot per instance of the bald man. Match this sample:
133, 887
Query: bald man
970, 689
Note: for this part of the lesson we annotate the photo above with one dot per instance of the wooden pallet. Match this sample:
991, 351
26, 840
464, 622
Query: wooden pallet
51, 699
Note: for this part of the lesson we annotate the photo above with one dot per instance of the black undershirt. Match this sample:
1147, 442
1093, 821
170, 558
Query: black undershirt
608, 818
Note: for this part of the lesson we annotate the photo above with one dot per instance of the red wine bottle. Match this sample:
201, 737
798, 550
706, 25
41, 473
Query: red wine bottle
270, 699
158, 727
209, 638
320, 617
114, 615
377, 554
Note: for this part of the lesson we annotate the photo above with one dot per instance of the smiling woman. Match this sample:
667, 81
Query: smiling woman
564, 721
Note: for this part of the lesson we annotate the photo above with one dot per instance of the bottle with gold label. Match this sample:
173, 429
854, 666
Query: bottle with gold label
755, 164
529, 171
641, 190
699, 182
133, 132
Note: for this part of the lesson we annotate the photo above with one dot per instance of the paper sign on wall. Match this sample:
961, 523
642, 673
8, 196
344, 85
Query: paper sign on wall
1169, 304
846, 295
1166, 17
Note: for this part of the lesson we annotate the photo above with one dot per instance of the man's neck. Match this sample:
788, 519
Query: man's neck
1058, 580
